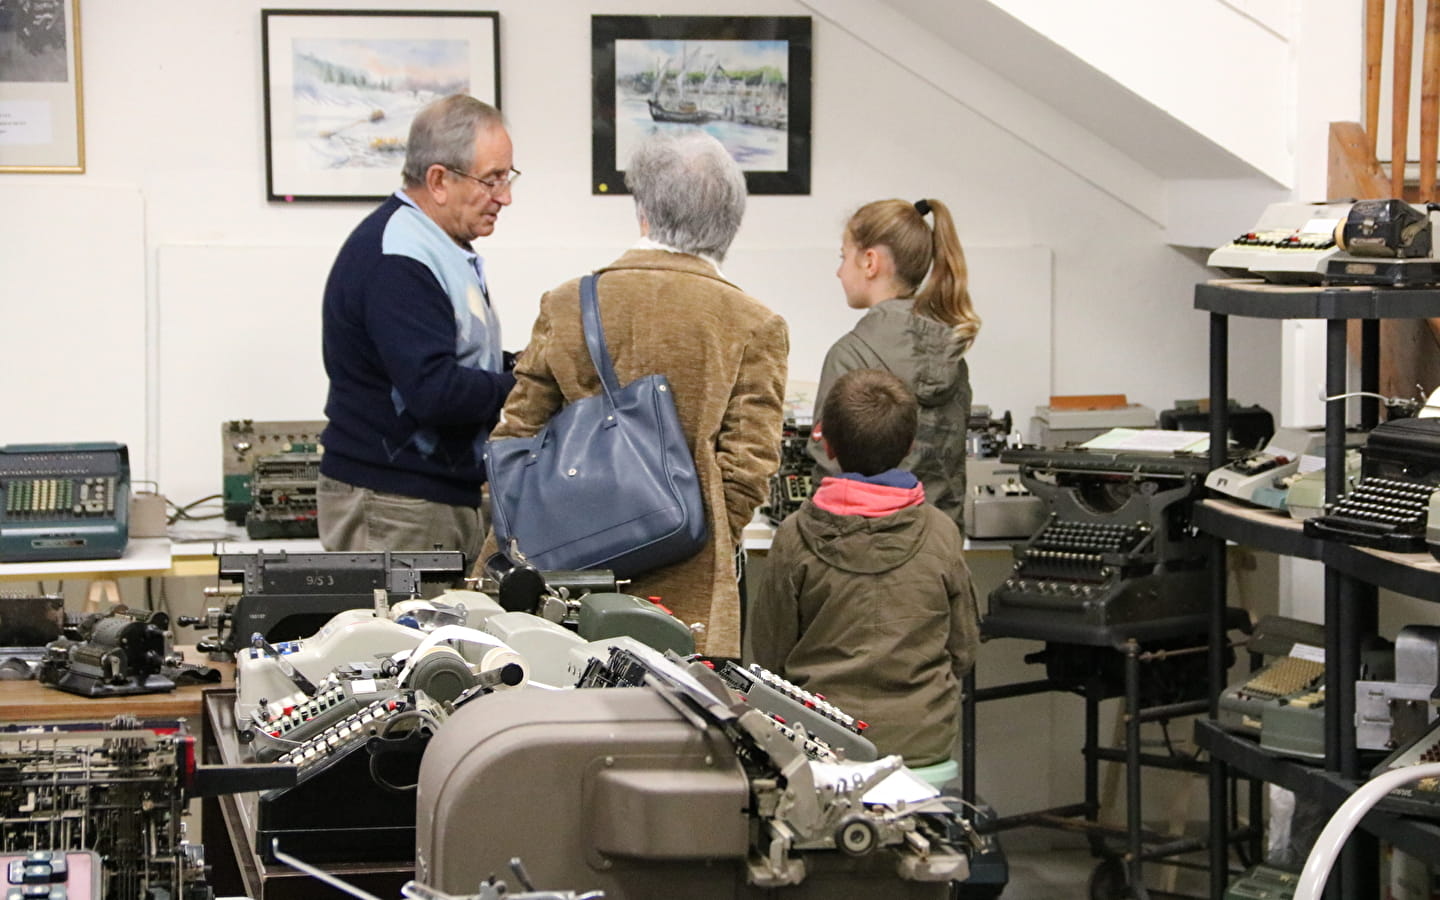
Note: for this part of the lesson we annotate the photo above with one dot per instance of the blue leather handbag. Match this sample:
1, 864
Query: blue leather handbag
609, 482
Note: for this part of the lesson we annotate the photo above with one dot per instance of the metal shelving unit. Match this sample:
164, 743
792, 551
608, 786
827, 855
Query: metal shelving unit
1352, 575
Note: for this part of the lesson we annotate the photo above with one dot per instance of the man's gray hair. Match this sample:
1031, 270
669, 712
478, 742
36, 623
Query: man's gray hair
444, 132
689, 190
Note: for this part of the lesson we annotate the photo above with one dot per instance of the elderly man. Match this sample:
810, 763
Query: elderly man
667, 309
412, 345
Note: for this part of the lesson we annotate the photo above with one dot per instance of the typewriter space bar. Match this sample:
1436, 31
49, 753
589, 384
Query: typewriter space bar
1349, 525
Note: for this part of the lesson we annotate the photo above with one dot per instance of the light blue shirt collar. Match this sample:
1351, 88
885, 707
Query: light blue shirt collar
477, 262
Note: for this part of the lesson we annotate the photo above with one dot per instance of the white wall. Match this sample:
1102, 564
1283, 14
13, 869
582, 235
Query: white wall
174, 121
1192, 59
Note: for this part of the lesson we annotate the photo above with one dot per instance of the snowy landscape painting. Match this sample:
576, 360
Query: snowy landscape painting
342, 89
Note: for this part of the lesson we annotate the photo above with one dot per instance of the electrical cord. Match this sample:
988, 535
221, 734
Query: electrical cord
1332, 838
384, 735
1407, 406
185, 512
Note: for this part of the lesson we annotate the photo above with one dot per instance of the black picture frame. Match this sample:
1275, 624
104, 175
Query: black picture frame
352, 146
759, 110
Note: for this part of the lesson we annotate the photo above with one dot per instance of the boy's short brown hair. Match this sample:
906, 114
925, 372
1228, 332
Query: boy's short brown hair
868, 420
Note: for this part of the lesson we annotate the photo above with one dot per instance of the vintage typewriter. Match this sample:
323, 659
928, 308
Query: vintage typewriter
1117, 546
1390, 506
1282, 702
793, 483
282, 595
1385, 242
270, 471
64, 501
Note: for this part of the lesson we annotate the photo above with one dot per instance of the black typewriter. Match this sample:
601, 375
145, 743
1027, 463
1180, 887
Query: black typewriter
1388, 509
1116, 547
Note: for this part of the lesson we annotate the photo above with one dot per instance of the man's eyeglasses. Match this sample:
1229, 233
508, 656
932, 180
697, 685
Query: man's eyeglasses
498, 183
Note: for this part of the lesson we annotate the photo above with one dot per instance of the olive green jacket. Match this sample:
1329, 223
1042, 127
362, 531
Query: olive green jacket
878, 615
924, 354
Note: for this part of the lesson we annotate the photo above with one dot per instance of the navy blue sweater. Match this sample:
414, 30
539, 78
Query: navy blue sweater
413, 354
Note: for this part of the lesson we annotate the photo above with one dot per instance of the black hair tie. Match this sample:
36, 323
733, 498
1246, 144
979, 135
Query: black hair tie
922, 207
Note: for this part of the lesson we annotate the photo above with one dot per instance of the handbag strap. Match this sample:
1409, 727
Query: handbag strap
595, 337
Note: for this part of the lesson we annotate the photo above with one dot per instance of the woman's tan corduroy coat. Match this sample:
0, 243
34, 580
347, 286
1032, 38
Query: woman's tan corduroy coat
725, 355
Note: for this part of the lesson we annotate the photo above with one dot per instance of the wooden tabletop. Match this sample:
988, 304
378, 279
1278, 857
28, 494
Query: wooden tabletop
31, 701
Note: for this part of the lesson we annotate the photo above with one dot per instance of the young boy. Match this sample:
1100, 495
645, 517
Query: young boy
865, 597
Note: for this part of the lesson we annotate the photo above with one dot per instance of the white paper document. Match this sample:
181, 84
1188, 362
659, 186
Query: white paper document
1155, 440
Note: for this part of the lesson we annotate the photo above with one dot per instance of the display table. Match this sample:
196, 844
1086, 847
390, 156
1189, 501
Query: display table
31, 701
143, 557
181, 554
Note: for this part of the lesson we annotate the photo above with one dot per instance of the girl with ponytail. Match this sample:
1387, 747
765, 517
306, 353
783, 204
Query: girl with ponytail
910, 277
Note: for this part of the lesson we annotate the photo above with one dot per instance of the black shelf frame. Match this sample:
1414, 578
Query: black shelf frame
1263, 529
1418, 837
1352, 575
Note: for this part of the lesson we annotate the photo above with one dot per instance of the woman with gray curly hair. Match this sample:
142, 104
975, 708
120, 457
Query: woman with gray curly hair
667, 309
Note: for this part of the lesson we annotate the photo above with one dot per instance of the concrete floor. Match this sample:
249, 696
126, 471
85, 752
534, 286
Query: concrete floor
1049, 875
1064, 874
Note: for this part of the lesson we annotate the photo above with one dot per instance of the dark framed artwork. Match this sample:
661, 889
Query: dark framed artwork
42, 113
342, 86
744, 79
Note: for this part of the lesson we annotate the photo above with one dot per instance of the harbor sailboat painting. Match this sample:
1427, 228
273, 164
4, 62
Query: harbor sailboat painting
736, 90
744, 80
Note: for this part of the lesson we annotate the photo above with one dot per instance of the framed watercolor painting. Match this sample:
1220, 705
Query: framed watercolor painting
342, 86
42, 120
744, 79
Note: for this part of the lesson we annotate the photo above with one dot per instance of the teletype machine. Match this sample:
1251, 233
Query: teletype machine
673, 788
288, 595
352, 706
